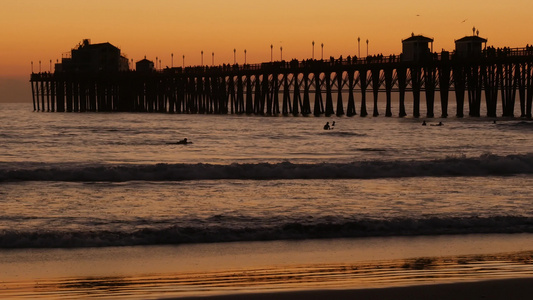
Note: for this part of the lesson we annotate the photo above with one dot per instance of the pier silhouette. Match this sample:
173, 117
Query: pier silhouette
308, 87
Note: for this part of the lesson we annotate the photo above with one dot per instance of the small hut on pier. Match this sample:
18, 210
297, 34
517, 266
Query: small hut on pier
144, 65
416, 48
470, 46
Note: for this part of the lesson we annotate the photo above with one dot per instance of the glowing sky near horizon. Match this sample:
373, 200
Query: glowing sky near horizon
35, 30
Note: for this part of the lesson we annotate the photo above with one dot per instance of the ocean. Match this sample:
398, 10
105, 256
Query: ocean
93, 181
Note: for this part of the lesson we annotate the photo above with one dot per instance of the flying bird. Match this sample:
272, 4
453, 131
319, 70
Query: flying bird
464, 20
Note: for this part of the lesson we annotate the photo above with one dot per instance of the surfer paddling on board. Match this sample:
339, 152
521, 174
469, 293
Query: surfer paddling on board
326, 127
183, 142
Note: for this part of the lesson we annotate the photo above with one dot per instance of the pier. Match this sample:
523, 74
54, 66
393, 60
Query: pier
341, 86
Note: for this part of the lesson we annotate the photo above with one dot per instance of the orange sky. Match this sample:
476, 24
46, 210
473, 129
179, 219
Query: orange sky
34, 30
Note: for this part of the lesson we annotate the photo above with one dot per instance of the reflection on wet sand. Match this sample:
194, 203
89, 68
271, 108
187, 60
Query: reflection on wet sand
373, 274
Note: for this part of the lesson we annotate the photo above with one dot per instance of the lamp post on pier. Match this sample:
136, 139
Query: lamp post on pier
313, 53
281, 53
322, 54
234, 56
244, 56
32, 66
50, 66
271, 57
213, 58
172, 60
358, 46
184, 61
366, 47
202, 58
39, 66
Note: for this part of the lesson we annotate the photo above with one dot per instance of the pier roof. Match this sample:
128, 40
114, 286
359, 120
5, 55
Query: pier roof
473, 38
417, 38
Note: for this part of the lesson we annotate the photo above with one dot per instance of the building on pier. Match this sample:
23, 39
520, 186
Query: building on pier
87, 57
416, 48
144, 65
470, 46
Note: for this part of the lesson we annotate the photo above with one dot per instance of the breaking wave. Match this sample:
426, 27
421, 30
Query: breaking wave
485, 165
224, 232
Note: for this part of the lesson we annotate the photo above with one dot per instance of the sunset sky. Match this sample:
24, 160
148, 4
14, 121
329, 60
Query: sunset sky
36, 30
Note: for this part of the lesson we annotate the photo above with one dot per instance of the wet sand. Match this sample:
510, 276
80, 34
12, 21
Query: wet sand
312, 269
515, 289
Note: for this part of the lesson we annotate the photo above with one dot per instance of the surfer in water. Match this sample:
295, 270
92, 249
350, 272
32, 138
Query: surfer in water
183, 142
326, 127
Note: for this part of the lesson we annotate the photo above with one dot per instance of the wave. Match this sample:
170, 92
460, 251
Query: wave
224, 232
485, 165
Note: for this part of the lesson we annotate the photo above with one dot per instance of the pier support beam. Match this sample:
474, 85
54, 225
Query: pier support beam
329, 98
401, 73
364, 85
340, 85
388, 91
375, 73
416, 84
444, 84
351, 101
